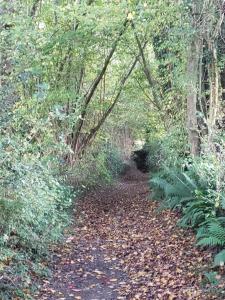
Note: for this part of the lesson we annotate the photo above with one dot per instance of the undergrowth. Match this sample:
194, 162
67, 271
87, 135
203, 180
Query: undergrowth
196, 188
36, 198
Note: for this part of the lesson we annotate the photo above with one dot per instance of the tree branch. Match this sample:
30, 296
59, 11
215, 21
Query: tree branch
146, 69
92, 89
94, 130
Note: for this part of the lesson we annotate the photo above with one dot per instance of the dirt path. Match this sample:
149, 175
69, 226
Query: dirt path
122, 248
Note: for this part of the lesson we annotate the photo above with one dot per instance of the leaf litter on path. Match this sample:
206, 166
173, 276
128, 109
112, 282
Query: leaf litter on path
123, 248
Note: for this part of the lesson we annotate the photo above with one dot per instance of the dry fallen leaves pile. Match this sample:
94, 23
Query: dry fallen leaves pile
123, 248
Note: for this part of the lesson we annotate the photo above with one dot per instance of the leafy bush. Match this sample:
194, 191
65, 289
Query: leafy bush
153, 147
106, 161
35, 202
33, 211
199, 193
173, 147
114, 161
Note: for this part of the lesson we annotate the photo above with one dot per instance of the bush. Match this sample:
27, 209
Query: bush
33, 211
114, 161
199, 193
155, 155
106, 161
35, 202
173, 147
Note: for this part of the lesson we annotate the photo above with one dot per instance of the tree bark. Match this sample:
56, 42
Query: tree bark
214, 93
192, 96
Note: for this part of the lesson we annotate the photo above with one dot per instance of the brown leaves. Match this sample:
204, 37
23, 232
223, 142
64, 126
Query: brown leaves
124, 249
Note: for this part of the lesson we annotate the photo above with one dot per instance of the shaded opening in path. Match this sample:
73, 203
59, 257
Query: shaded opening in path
140, 157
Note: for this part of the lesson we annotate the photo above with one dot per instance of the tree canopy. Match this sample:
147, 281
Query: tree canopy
81, 81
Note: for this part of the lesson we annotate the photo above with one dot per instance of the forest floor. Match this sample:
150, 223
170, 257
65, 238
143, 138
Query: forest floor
122, 247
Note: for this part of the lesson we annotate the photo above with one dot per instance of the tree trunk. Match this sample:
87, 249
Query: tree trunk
95, 130
214, 93
192, 96
87, 98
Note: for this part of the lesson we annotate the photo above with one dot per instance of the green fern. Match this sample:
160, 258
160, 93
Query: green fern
217, 230
192, 194
196, 212
212, 235
212, 277
174, 187
162, 184
220, 258
211, 241
182, 190
190, 181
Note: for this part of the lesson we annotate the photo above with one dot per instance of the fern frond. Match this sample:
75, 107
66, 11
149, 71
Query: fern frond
202, 231
174, 202
190, 181
210, 241
163, 185
217, 230
219, 258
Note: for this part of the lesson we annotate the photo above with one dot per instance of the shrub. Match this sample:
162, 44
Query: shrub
106, 161
174, 147
33, 211
114, 161
153, 148
199, 193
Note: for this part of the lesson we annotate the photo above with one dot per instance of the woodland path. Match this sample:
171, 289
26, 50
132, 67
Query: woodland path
122, 247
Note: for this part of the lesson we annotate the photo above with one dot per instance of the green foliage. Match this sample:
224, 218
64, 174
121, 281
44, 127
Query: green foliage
212, 277
34, 207
174, 146
175, 187
212, 233
52, 54
181, 192
219, 259
154, 158
106, 161
114, 161
199, 194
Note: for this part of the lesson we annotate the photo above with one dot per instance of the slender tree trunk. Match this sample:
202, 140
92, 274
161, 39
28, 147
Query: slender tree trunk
91, 91
214, 93
95, 130
146, 69
192, 96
